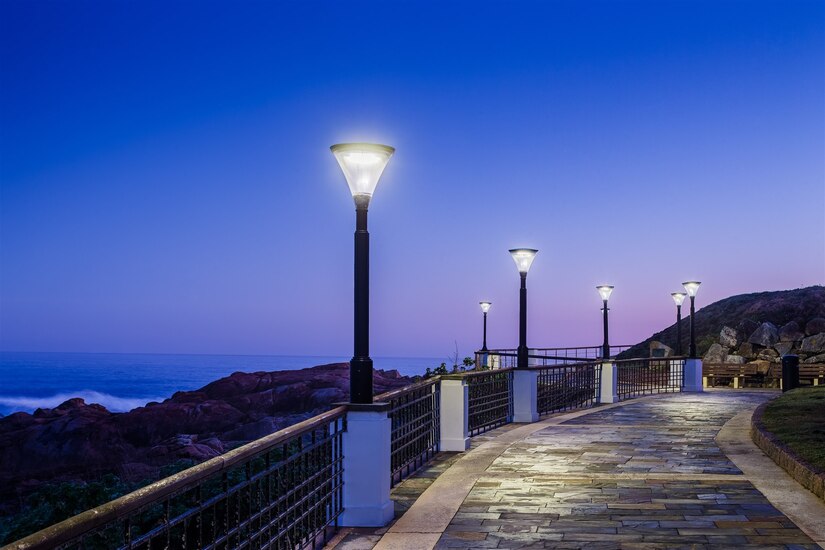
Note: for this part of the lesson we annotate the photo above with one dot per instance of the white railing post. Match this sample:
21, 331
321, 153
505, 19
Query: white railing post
693, 376
366, 466
455, 414
608, 385
525, 395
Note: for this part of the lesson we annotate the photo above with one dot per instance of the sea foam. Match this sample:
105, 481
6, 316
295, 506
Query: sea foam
111, 402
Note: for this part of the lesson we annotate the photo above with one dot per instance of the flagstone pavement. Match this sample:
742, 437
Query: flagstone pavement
647, 473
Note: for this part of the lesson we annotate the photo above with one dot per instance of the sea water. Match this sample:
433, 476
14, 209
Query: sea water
121, 382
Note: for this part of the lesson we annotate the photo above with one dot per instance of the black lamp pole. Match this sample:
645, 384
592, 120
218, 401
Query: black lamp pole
692, 333
484, 343
521, 361
360, 380
679, 329
606, 345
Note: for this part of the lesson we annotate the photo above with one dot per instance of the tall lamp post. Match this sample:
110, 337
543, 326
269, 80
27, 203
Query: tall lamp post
485, 307
604, 292
678, 297
692, 287
362, 164
524, 259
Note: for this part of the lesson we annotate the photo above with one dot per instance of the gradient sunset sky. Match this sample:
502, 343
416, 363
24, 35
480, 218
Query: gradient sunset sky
166, 183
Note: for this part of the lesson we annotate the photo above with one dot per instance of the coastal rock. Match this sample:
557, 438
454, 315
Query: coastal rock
77, 441
816, 359
783, 348
815, 326
735, 359
746, 326
813, 344
728, 337
768, 354
747, 350
766, 335
715, 354
759, 367
791, 332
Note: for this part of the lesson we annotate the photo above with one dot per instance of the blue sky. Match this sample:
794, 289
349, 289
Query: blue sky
166, 183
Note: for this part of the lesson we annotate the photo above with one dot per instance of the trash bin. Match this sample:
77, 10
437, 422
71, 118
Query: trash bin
790, 372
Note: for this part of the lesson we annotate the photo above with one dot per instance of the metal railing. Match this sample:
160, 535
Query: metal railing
416, 426
490, 396
636, 377
568, 387
543, 357
280, 491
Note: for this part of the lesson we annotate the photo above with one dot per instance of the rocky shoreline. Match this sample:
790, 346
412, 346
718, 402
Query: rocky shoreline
77, 441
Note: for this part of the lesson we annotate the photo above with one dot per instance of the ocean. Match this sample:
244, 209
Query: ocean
120, 381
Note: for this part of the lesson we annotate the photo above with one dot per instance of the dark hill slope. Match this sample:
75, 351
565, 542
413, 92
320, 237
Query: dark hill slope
744, 312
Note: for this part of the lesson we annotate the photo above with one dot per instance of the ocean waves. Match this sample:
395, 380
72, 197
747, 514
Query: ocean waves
10, 404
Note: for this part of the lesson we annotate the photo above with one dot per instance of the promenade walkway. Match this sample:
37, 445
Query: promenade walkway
669, 471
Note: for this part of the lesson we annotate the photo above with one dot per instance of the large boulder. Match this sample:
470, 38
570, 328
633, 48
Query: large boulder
747, 350
815, 326
746, 326
735, 359
728, 337
815, 359
766, 335
783, 348
791, 332
768, 354
813, 344
716, 354
760, 367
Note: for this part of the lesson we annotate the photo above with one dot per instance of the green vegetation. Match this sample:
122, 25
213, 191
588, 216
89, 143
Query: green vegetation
797, 418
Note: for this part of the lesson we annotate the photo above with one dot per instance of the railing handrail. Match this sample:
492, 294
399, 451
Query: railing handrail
599, 347
474, 373
121, 507
669, 358
407, 389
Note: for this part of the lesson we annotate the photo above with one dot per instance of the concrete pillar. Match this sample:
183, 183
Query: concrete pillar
608, 388
525, 395
366, 450
693, 376
455, 414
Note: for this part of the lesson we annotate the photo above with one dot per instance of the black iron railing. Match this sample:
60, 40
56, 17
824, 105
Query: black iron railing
637, 377
567, 387
416, 426
490, 396
543, 357
281, 491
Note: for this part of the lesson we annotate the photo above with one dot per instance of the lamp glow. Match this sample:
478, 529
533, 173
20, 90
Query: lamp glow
605, 291
692, 287
678, 297
524, 258
362, 164
485, 306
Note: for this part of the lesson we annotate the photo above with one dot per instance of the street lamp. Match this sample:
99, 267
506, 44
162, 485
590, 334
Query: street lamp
362, 164
678, 297
524, 259
485, 307
604, 292
692, 287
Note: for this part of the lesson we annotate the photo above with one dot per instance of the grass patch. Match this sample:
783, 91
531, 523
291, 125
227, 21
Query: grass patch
797, 418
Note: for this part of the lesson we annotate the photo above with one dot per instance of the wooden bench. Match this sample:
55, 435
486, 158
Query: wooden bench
714, 372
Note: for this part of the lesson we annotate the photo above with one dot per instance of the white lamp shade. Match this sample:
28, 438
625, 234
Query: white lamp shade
524, 258
605, 291
362, 164
692, 287
678, 297
485, 306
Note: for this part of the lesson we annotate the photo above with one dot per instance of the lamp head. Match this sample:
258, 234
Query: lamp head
524, 258
362, 164
692, 287
678, 297
605, 291
485, 306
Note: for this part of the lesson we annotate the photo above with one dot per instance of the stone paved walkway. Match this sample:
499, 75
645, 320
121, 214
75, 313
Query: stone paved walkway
643, 474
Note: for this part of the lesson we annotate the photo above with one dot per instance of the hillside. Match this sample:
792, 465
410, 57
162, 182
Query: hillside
744, 313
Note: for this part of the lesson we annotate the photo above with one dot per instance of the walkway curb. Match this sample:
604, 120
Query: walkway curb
804, 473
